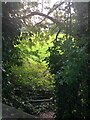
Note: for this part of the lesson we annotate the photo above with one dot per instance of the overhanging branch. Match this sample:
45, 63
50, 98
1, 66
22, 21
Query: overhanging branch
41, 14
51, 10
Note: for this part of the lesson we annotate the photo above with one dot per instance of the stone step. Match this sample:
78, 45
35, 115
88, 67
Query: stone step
11, 112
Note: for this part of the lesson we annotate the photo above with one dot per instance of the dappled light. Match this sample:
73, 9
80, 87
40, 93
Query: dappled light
45, 59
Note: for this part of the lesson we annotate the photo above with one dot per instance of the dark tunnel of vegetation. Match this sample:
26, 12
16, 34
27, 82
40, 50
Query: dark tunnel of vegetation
48, 59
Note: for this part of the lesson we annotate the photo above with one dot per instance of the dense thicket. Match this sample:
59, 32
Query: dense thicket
10, 31
69, 62
23, 66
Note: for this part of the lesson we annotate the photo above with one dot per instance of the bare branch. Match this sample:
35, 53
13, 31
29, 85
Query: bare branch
55, 7
51, 10
41, 14
44, 15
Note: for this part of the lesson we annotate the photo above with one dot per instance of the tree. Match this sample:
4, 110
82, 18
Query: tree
10, 31
68, 62
69, 55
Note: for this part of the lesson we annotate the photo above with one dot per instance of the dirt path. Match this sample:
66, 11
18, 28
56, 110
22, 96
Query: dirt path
48, 115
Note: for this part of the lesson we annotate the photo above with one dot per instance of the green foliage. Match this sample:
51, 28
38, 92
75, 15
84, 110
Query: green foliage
33, 70
35, 47
41, 65
74, 59
68, 61
31, 78
32, 74
10, 30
